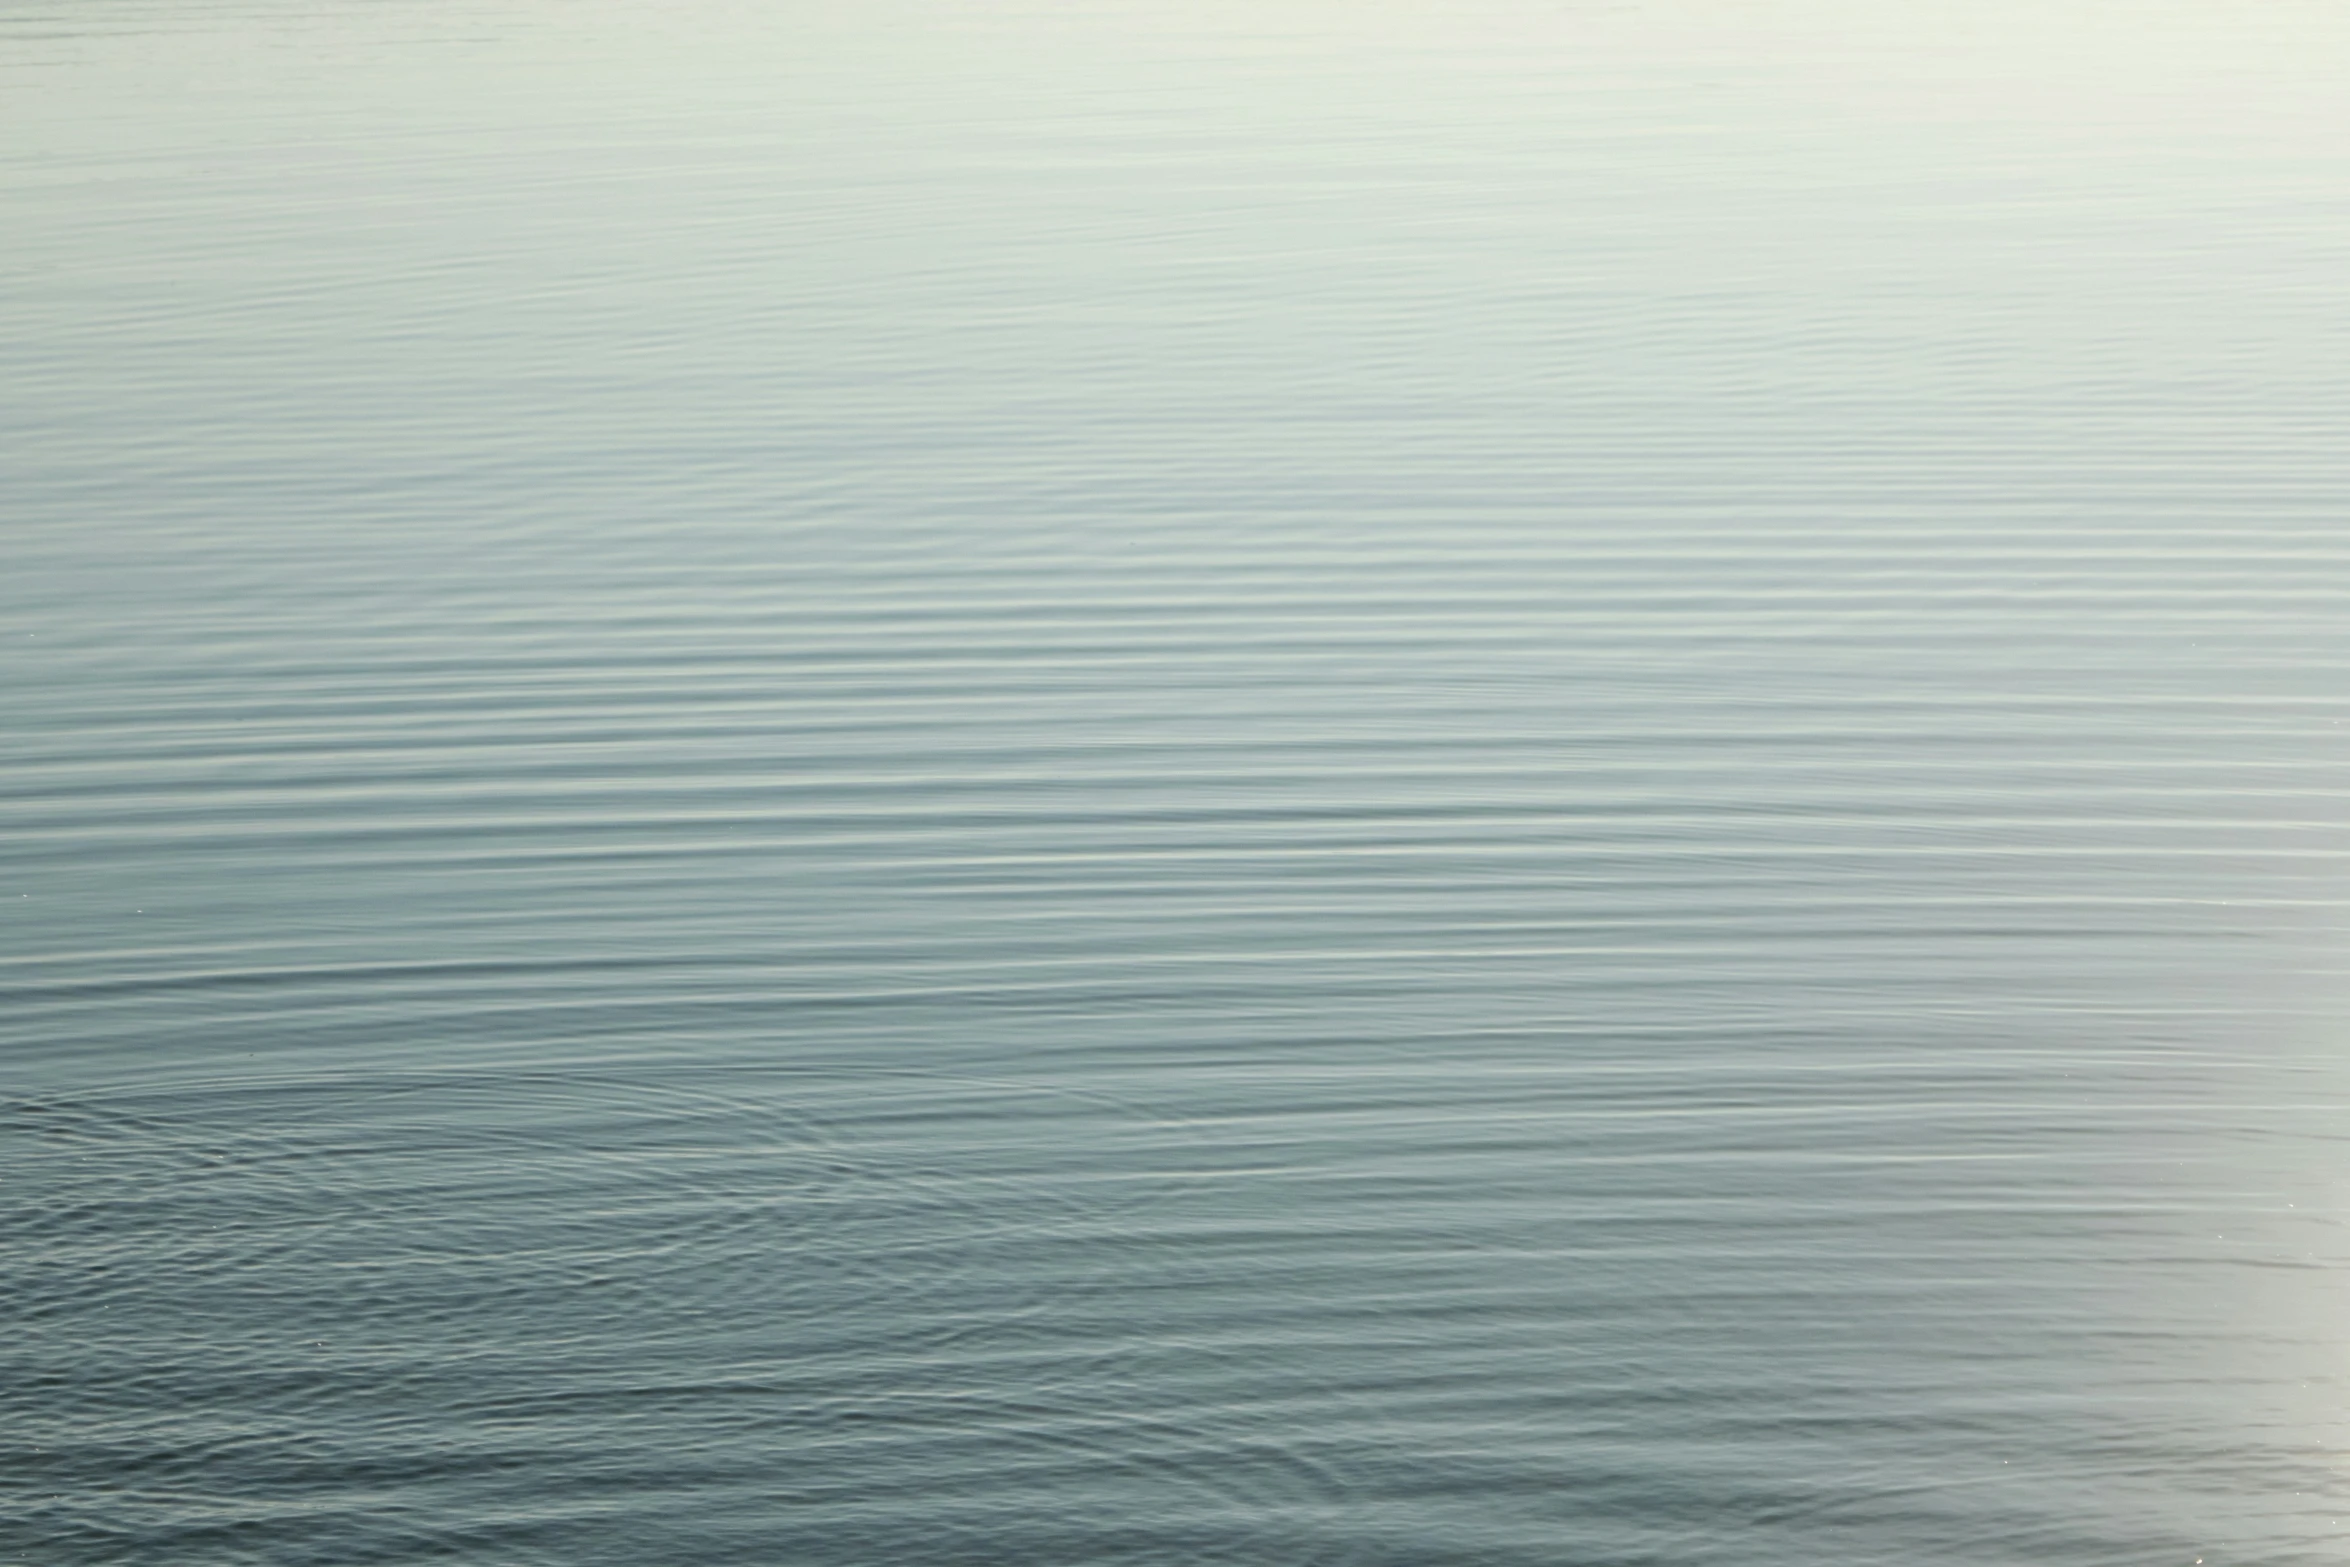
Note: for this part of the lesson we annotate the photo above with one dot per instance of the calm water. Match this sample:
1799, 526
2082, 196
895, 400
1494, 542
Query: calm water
1092, 782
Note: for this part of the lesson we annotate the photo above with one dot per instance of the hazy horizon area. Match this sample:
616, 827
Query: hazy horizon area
1093, 783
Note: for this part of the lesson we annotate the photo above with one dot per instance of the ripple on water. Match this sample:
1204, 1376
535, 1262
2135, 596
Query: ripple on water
284, 1318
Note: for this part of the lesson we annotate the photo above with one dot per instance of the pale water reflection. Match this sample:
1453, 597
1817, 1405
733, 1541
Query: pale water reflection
1089, 782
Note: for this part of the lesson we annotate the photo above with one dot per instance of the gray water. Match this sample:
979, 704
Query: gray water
1093, 782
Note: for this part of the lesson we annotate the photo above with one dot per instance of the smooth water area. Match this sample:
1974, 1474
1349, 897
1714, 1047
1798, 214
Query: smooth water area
1080, 782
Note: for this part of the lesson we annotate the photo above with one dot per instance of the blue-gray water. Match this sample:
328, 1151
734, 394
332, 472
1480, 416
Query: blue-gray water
1094, 782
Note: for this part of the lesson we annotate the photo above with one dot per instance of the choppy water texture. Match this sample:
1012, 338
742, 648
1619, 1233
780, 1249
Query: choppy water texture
1174, 784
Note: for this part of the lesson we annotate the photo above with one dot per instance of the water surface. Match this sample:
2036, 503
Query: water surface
1071, 783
